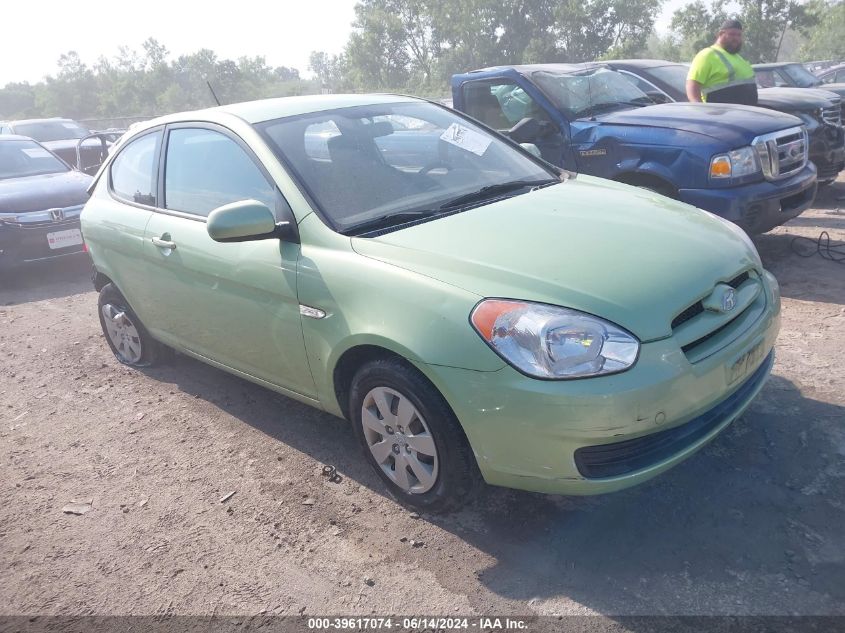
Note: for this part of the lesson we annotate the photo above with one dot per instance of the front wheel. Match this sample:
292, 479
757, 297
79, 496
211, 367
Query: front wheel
128, 339
410, 437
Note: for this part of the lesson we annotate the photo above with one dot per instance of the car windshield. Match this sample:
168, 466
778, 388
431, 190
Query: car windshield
27, 158
802, 77
46, 131
590, 92
393, 161
675, 76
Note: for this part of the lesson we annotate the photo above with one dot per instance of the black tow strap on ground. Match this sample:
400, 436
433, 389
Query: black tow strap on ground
807, 247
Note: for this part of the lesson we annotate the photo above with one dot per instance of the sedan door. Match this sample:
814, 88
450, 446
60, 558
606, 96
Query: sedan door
233, 303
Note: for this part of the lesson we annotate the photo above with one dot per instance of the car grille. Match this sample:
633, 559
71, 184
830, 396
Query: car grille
833, 114
629, 456
46, 217
783, 153
701, 333
697, 308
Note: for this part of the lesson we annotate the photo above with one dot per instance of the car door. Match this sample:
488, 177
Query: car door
502, 103
119, 214
233, 303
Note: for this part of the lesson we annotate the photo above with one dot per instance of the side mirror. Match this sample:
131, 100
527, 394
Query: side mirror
526, 131
244, 221
531, 149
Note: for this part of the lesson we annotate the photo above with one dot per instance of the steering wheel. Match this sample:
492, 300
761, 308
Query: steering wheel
436, 164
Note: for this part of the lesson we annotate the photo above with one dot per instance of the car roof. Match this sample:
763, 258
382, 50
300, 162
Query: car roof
831, 69
775, 65
640, 63
280, 107
526, 69
16, 137
50, 119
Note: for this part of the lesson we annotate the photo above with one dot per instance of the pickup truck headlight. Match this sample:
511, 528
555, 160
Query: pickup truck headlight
739, 162
550, 342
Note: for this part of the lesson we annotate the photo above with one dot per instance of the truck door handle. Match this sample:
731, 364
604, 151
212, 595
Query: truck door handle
164, 243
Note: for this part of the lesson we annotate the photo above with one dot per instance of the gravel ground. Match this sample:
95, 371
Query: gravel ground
753, 524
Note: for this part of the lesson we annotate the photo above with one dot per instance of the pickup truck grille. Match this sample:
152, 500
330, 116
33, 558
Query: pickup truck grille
833, 114
783, 153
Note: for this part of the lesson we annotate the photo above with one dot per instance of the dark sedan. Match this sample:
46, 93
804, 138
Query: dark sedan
63, 137
820, 110
41, 198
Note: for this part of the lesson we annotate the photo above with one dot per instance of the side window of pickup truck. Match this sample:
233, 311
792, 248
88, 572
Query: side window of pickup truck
500, 104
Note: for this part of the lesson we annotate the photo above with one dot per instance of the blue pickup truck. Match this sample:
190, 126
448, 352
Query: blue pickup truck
748, 165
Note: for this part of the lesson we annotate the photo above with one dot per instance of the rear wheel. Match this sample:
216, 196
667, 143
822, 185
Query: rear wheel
410, 437
128, 339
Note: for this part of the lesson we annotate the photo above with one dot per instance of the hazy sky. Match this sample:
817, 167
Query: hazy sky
35, 33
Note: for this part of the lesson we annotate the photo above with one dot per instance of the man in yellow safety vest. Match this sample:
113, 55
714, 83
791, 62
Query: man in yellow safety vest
718, 74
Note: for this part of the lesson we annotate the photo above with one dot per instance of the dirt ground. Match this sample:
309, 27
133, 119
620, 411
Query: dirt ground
753, 524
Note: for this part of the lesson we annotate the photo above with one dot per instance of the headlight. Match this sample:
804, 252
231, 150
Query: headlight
809, 120
739, 162
546, 341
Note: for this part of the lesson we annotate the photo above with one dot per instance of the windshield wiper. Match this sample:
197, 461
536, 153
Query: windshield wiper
492, 190
390, 219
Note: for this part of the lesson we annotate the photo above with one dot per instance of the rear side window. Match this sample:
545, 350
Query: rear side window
205, 169
134, 170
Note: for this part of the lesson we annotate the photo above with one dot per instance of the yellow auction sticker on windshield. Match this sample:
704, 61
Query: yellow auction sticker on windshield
466, 138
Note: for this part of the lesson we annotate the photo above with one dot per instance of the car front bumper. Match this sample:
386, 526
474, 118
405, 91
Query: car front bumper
760, 206
599, 435
25, 243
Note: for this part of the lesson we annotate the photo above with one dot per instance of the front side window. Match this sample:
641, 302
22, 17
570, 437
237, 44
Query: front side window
640, 83
46, 131
590, 92
800, 76
27, 158
500, 105
674, 76
134, 172
364, 163
205, 169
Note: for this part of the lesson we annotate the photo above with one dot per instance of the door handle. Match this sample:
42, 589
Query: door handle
163, 243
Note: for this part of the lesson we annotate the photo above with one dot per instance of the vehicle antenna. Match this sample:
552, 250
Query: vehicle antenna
212, 91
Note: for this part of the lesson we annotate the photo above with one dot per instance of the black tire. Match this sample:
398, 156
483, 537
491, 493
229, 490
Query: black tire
457, 472
150, 349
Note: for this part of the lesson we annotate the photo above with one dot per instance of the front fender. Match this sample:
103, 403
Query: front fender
369, 302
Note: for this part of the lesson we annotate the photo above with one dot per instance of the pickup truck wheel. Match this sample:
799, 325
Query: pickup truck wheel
410, 437
128, 339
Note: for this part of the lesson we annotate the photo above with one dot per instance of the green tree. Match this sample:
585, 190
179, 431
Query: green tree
329, 70
827, 39
765, 24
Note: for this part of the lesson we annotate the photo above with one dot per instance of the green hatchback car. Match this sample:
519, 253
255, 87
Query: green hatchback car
474, 312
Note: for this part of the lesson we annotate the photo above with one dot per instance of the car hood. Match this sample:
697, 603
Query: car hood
800, 99
625, 254
36, 193
837, 88
732, 123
